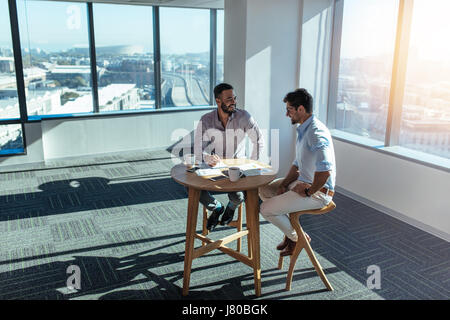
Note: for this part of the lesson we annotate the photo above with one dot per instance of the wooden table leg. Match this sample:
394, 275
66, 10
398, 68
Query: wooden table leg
252, 210
194, 197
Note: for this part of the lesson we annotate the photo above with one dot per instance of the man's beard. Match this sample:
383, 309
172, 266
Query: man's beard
227, 109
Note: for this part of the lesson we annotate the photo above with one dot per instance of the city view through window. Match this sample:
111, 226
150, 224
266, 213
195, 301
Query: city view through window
425, 124
54, 40
365, 71
365, 67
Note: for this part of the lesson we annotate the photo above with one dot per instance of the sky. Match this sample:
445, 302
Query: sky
369, 28
182, 30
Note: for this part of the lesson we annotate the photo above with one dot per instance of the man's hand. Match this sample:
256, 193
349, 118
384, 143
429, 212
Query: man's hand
300, 188
212, 160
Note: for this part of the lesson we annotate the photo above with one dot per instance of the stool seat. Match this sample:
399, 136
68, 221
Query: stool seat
302, 242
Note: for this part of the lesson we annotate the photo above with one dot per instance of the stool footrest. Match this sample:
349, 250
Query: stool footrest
233, 253
216, 244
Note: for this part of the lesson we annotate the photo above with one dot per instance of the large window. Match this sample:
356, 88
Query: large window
185, 57
11, 137
425, 121
365, 67
55, 54
9, 102
124, 57
80, 58
392, 83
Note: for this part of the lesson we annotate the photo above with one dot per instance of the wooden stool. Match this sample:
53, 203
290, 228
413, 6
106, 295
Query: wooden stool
235, 223
302, 242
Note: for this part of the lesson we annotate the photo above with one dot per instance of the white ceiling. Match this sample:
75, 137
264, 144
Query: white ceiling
214, 4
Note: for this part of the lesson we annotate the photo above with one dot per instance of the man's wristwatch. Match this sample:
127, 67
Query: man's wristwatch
307, 192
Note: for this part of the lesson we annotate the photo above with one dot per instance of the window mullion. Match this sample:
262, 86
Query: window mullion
157, 57
93, 57
397, 89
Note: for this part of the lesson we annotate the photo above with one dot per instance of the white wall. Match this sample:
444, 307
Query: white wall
235, 37
409, 191
317, 22
262, 41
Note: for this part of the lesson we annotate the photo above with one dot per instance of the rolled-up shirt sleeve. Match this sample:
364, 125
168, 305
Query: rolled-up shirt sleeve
323, 153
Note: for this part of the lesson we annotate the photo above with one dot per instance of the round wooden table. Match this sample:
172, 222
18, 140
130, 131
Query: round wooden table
195, 185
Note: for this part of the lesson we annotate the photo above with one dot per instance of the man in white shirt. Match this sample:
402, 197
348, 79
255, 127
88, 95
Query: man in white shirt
310, 181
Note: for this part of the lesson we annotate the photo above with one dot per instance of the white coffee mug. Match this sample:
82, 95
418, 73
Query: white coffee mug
235, 173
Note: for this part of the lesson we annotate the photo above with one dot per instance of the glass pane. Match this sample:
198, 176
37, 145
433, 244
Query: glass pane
9, 104
184, 57
124, 50
425, 124
220, 44
11, 139
55, 53
365, 66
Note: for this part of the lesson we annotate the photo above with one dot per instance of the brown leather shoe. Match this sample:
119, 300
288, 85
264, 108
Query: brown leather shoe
283, 244
289, 250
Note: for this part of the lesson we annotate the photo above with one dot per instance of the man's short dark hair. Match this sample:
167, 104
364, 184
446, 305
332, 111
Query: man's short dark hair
221, 87
300, 97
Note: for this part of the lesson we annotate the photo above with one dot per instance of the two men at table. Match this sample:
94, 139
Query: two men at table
310, 181
221, 134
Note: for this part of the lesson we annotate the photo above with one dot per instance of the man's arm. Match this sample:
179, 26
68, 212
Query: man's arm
290, 177
320, 178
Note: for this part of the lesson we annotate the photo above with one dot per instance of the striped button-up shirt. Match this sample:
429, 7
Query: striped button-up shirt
228, 143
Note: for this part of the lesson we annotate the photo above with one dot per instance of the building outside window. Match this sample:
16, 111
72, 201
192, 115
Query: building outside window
55, 55
414, 118
365, 67
425, 122
185, 57
124, 51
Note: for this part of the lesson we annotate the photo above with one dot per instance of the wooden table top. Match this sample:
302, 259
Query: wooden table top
188, 179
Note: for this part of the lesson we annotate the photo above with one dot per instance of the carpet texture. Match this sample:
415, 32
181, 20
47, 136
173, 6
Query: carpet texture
121, 220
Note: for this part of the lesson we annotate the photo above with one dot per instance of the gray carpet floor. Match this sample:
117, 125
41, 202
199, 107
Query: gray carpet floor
121, 220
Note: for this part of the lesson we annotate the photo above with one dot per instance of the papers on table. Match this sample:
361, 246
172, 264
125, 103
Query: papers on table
249, 166
220, 165
208, 172
256, 172
249, 169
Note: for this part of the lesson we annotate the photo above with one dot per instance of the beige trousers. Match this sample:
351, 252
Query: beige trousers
275, 208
